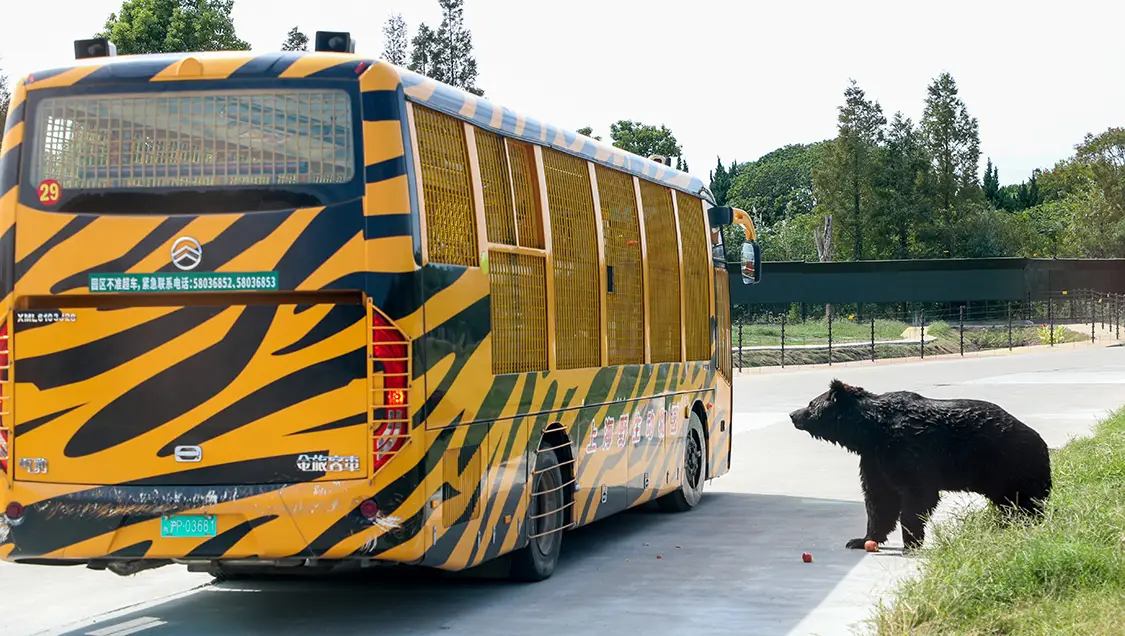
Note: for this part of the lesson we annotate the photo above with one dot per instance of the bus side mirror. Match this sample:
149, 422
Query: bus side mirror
720, 216
751, 263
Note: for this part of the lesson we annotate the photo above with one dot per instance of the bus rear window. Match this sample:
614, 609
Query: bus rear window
195, 140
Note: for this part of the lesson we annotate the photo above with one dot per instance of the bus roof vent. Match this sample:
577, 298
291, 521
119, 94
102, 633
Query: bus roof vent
94, 47
335, 42
660, 159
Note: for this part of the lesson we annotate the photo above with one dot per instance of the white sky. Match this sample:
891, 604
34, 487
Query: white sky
733, 78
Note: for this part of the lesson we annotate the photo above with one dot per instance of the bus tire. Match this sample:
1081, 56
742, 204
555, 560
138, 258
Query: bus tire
693, 467
536, 560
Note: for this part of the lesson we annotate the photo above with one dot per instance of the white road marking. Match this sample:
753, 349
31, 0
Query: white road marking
128, 627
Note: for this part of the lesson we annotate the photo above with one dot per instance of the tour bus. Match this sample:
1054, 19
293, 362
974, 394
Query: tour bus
310, 310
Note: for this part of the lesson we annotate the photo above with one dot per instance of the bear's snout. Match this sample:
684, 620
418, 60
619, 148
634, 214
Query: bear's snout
799, 417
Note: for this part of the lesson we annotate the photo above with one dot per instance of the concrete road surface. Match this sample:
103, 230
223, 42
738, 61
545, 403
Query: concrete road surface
732, 566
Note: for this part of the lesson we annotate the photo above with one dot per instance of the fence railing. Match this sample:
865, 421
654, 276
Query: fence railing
824, 334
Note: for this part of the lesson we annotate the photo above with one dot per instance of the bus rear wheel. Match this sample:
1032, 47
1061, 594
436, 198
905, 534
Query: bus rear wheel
693, 467
546, 518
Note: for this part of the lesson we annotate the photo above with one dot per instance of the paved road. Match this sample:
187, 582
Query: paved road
730, 567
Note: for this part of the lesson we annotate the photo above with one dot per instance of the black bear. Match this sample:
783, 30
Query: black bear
912, 447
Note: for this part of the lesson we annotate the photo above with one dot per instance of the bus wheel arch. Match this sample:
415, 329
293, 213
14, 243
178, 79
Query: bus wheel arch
694, 460
551, 490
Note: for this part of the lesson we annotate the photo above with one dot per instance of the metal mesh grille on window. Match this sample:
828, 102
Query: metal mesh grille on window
500, 221
695, 244
722, 315
622, 233
446, 188
526, 183
518, 285
575, 255
212, 139
663, 273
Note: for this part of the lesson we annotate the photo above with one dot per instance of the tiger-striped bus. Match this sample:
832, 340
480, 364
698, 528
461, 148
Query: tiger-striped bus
308, 309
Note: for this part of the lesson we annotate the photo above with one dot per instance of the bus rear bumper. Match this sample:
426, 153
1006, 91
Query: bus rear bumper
317, 520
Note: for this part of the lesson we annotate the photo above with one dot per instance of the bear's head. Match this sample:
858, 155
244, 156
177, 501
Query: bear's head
839, 415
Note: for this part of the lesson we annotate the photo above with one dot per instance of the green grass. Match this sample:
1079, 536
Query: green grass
1062, 575
816, 332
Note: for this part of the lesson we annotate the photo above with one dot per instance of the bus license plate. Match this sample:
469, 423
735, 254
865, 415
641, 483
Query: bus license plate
189, 526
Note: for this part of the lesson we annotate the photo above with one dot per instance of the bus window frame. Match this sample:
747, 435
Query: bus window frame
331, 193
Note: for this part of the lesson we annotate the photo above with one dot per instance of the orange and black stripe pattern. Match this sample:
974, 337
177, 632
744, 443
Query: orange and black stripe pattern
260, 381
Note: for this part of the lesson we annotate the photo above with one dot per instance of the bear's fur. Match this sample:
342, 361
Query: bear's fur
912, 447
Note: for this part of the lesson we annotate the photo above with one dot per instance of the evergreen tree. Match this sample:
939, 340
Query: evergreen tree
720, 182
5, 101
424, 54
992, 184
455, 46
295, 41
953, 143
845, 180
902, 201
686, 168
395, 40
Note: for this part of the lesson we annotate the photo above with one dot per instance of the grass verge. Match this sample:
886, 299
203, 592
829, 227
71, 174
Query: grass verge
1063, 575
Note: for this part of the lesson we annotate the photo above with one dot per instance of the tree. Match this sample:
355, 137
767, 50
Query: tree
5, 101
1105, 156
643, 139
395, 40
953, 143
447, 54
295, 41
588, 131
902, 203
720, 182
173, 26
424, 53
992, 184
778, 185
845, 180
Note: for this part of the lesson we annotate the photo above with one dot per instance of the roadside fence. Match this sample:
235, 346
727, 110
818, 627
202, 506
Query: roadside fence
769, 335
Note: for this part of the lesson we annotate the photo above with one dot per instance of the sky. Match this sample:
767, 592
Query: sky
732, 79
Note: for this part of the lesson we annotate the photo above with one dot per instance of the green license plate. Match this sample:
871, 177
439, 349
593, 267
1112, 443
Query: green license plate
188, 526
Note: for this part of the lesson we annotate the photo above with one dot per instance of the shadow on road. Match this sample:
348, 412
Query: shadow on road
731, 566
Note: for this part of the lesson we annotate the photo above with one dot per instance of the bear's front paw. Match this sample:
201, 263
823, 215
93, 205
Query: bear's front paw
856, 544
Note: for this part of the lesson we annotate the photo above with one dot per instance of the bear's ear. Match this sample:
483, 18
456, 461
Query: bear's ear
838, 389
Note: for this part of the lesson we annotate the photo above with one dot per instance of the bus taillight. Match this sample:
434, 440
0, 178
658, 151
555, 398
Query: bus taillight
390, 355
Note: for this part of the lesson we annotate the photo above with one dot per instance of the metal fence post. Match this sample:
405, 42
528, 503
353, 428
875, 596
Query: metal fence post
1117, 312
1009, 325
1051, 317
873, 338
922, 334
782, 341
961, 326
830, 337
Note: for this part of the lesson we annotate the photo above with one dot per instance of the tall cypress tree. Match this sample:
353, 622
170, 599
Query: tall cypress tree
845, 179
395, 40
952, 140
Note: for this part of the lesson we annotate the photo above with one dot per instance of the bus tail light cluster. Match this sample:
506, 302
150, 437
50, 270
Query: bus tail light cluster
5, 412
390, 359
